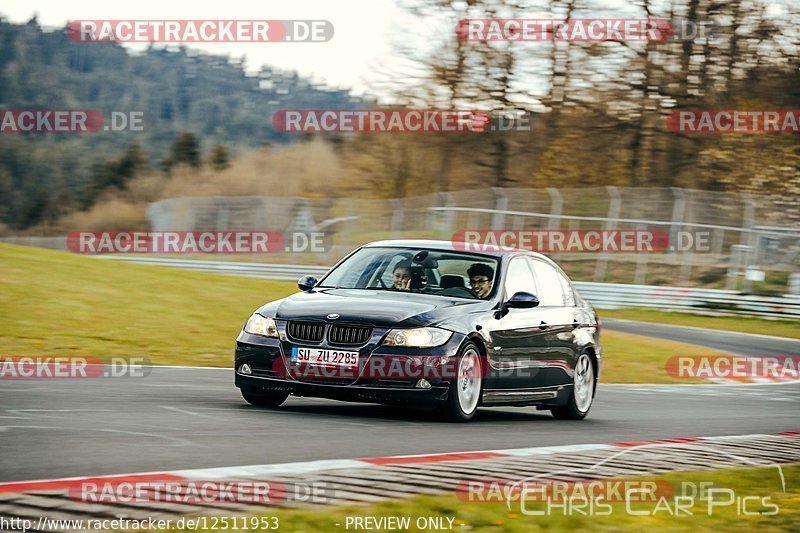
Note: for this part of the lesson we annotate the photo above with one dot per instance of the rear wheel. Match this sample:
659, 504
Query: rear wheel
465, 388
264, 398
580, 399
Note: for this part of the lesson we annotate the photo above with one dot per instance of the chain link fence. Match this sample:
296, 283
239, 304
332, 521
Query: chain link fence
750, 236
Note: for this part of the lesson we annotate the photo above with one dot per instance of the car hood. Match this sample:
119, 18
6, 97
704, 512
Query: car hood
380, 308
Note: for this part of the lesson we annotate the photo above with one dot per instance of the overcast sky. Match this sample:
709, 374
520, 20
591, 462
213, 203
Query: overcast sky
362, 53
364, 30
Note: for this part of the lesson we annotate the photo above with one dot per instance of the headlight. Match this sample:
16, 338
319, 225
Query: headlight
417, 337
259, 325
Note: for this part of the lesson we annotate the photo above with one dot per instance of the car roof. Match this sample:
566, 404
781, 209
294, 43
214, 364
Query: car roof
450, 246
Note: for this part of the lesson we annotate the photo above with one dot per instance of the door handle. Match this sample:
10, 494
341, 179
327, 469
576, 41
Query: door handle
543, 325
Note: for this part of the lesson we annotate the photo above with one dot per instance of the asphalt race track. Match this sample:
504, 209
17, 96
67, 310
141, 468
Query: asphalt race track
180, 418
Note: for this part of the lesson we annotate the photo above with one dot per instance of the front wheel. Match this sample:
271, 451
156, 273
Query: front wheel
580, 399
264, 399
465, 388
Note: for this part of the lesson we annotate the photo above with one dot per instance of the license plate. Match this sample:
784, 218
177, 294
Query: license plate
320, 357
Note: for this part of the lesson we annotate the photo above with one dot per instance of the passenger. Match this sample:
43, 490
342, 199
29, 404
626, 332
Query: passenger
480, 279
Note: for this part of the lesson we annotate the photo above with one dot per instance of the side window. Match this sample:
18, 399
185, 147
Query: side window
569, 295
548, 279
519, 278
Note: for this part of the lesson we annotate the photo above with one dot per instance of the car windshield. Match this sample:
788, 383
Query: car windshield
418, 270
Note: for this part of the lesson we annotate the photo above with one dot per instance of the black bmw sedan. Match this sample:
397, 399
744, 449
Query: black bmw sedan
427, 323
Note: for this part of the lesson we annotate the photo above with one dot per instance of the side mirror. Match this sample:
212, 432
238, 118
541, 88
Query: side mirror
306, 283
522, 300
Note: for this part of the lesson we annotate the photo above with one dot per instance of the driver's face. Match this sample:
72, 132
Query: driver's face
481, 285
402, 279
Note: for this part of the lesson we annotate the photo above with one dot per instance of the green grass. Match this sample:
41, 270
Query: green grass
55, 303
629, 358
763, 326
496, 517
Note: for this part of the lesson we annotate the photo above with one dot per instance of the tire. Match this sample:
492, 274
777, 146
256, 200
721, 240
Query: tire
582, 394
465, 393
264, 399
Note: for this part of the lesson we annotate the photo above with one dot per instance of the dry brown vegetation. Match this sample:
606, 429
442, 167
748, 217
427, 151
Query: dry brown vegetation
396, 166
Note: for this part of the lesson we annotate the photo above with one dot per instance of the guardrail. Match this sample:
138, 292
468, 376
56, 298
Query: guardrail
703, 301
601, 295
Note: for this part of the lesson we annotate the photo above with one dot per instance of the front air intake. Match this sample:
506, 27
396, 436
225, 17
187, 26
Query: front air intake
306, 331
347, 335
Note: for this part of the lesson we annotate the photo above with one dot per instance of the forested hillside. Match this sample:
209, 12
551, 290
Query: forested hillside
43, 175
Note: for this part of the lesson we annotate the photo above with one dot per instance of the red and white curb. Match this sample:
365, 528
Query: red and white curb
265, 471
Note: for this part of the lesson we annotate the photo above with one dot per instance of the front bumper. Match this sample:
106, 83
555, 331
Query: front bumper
268, 359
348, 393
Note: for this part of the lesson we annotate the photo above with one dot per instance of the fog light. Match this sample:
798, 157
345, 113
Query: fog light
423, 384
245, 369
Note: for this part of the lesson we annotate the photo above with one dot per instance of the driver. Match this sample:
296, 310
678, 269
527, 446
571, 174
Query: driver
402, 276
480, 279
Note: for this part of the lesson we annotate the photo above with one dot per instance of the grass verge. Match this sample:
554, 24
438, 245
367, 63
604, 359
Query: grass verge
55, 303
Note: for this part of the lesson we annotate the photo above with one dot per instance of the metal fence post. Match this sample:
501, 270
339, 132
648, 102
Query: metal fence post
348, 230
614, 205
500, 205
718, 241
678, 217
749, 234
794, 283
641, 263
738, 264
556, 204
446, 222
748, 218
753, 235
678, 212
397, 217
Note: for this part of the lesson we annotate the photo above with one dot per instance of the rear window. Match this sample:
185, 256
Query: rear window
551, 291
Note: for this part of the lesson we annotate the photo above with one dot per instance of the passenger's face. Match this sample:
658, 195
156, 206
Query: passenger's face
402, 279
481, 285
